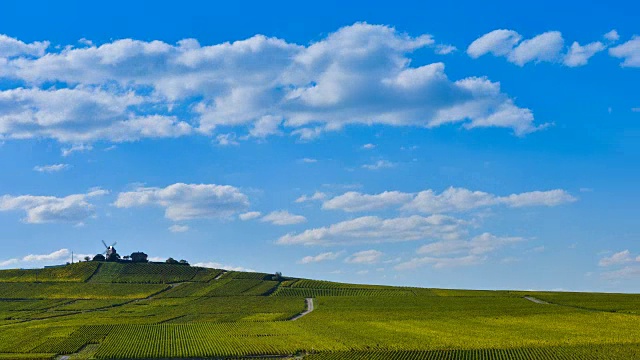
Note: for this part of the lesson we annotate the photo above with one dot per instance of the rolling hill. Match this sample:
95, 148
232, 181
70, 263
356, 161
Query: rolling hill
143, 311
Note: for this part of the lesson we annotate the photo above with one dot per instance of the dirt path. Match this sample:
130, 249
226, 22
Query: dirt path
309, 309
535, 300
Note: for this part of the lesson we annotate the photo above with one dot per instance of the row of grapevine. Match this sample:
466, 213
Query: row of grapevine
307, 292
76, 291
606, 352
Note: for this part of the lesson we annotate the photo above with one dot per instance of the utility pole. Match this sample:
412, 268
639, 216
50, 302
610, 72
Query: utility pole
72, 257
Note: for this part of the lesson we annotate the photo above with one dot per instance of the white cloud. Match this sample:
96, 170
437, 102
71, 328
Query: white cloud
325, 256
51, 168
579, 55
629, 52
372, 229
129, 89
317, 196
43, 209
188, 201
546, 47
178, 228
442, 262
380, 164
450, 200
283, 217
478, 245
354, 201
612, 35
81, 115
365, 257
250, 215
215, 265
56, 255
11, 47
266, 125
309, 160
8, 263
443, 49
497, 42
35, 259
368, 146
76, 148
227, 139
618, 258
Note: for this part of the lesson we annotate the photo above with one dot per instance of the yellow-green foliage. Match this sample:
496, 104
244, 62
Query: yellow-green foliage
144, 273
77, 272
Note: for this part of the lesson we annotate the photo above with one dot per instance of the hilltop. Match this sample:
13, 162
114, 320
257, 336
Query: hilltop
127, 310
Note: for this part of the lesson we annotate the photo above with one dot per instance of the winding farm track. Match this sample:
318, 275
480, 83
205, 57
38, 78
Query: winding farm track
309, 309
535, 300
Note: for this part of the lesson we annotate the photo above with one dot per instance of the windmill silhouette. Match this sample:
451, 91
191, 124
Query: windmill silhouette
110, 249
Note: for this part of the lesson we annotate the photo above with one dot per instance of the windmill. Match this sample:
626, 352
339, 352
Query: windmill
109, 249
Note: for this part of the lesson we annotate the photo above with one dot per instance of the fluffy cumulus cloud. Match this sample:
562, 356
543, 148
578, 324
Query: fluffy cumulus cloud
74, 208
373, 229
129, 89
579, 55
82, 114
10, 47
545, 47
325, 256
188, 201
454, 253
283, 217
365, 257
450, 200
56, 255
38, 259
629, 52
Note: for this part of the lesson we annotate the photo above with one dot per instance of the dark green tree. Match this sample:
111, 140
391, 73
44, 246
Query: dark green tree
113, 257
99, 257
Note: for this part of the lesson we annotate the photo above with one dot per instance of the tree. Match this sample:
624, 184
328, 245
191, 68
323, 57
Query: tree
184, 262
99, 257
171, 261
113, 257
277, 276
86, 258
139, 257
126, 257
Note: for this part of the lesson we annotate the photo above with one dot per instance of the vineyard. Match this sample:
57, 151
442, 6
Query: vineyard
144, 311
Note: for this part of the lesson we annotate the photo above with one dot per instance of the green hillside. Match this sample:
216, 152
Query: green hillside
144, 311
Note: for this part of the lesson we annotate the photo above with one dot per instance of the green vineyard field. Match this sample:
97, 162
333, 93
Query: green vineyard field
147, 311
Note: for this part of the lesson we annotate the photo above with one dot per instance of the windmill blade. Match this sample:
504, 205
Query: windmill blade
114, 244
105, 244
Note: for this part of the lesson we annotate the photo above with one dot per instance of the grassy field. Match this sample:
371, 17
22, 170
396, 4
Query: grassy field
127, 311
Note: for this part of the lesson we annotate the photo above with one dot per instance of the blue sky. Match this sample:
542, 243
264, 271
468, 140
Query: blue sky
456, 146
